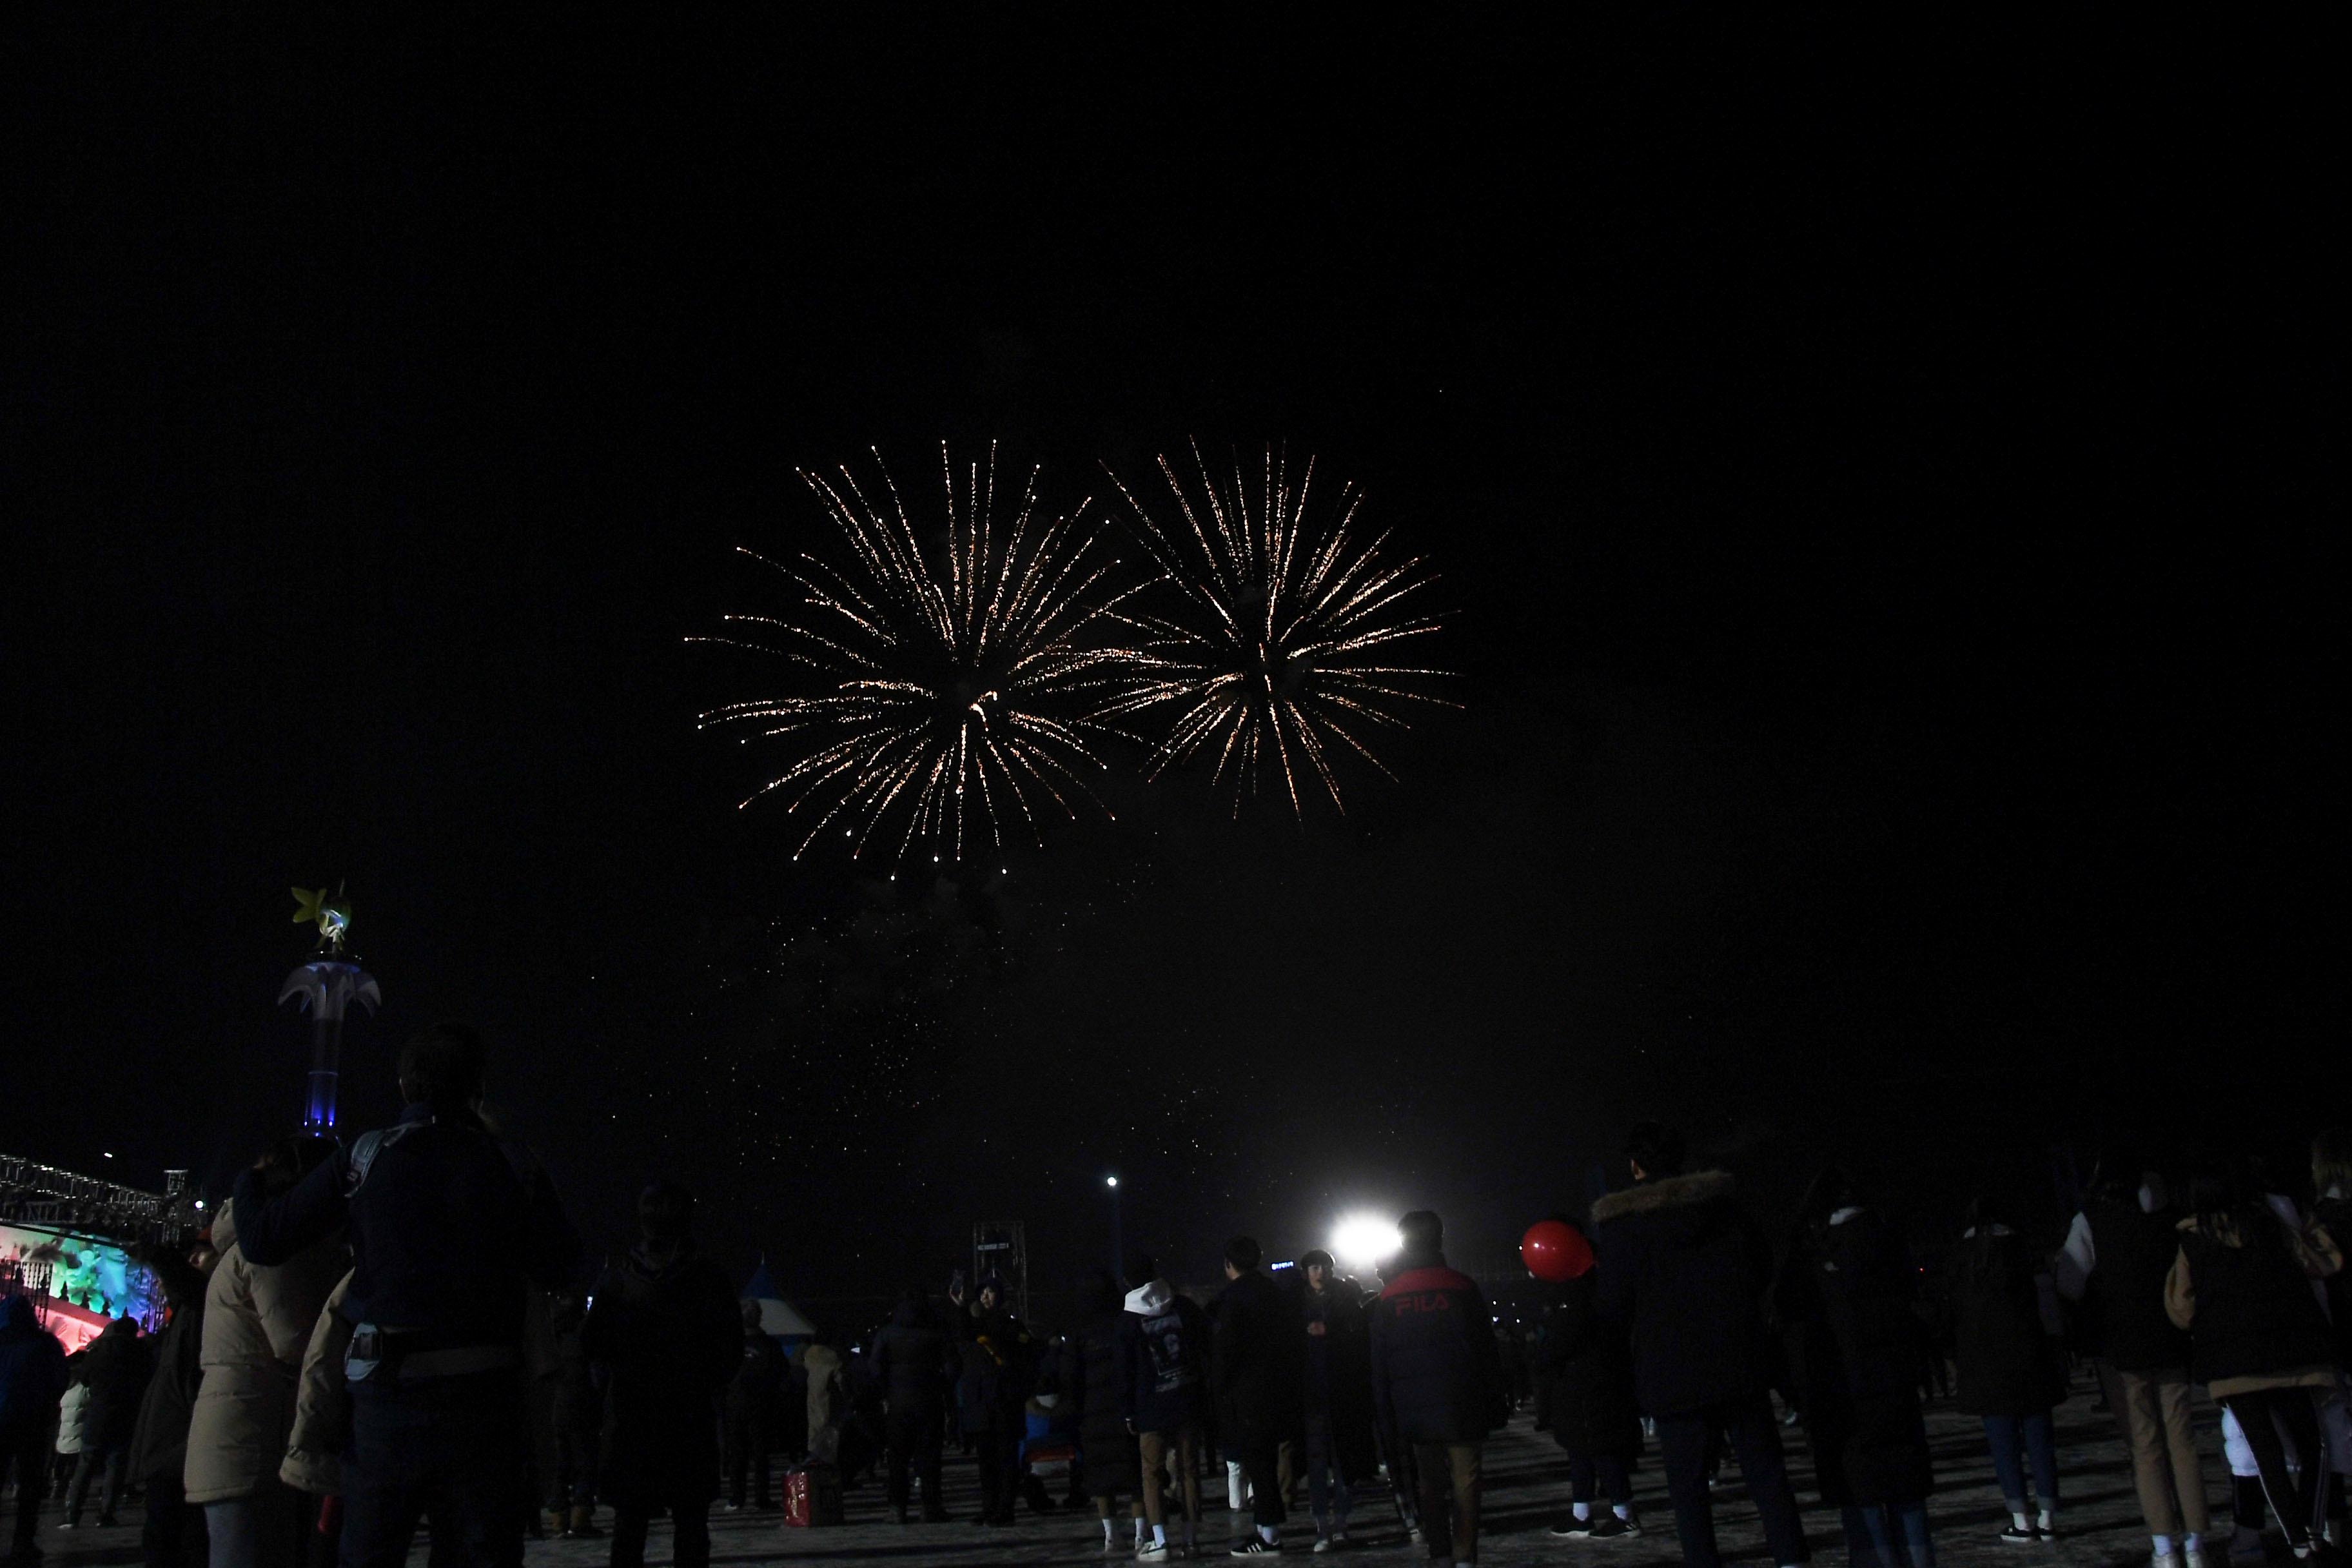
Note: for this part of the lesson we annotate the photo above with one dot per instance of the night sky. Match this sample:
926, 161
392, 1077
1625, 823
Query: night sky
1878, 485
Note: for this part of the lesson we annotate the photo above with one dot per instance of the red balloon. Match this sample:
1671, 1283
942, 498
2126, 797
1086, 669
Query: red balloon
1555, 1251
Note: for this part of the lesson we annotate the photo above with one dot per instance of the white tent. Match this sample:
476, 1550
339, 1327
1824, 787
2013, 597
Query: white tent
779, 1319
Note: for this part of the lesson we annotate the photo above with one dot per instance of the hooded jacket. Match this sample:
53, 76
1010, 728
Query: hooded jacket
1163, 1350
2010, 1363
116, 1371
1437, 1373
72, 1406
1089, 1384
828, 1394
2333, 1214
161, 1447
1585, 1371
1686, 1270
257, 1324
999, 1364
669, 1334
912, 1361
1257, 1367
405, 1195
1339, 1368
756, 1392
1849, 1292
2123, 1293
32, 1371
2240, 1286
323, 1403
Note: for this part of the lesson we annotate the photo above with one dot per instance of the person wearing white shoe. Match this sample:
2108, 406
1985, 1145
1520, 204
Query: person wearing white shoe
1686, 1269
1259, 1377
1339, 1447
2011, 1362
1437, 1383
1109, 1462
1584, 1378
1163, 1343
2124, 1240
2242, 1286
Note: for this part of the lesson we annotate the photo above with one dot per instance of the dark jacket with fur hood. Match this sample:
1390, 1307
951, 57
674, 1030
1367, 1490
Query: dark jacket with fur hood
1686, 1270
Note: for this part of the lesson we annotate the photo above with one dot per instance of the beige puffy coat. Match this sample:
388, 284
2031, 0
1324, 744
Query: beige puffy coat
314, 1452
70, 1412
258, 1322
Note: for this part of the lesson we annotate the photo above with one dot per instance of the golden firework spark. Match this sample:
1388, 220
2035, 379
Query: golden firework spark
1270, 638
944, 684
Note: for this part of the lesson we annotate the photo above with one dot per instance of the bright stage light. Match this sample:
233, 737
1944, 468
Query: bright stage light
1362, 1240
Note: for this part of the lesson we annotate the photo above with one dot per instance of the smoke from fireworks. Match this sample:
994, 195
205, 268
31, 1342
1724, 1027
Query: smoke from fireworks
944, 686
1272, 640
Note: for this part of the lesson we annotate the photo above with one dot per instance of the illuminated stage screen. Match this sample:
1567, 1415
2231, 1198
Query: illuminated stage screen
78, 1282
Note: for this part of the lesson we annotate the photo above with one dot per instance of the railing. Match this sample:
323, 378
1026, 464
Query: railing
37, 1195
26, 1276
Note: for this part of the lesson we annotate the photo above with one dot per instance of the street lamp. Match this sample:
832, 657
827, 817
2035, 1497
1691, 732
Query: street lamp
1118, 1236
1364, 1240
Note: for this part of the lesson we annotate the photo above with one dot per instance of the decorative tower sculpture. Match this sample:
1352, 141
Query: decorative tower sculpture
328, 983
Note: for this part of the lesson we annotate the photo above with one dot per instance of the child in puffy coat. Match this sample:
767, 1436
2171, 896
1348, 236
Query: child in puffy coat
70, 1410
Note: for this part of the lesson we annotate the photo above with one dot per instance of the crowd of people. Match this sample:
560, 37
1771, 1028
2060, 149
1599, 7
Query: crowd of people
333, 1371
1689, 1319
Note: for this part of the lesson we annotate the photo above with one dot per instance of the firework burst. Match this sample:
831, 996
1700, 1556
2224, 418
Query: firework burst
939, 693
1271, 641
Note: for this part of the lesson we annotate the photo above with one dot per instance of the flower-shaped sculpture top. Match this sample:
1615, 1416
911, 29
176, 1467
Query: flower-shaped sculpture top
332, 916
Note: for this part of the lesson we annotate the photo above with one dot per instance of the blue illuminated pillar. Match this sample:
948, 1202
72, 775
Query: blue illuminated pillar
327, 985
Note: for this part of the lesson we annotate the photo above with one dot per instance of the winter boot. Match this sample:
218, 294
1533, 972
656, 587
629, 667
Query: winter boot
583, 1524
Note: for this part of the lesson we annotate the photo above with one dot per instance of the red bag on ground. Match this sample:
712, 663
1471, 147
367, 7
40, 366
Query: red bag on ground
812, 1496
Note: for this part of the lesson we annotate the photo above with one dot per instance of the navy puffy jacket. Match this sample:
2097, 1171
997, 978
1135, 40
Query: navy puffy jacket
1437, 1374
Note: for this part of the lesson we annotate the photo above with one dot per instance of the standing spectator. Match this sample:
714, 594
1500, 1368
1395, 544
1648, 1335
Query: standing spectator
447, 1222
1584, 1382
827, 1398
174, 1534
2240, 1286
998, 1363
1089, 1381
1849, 1282
1514, 1361
576, 1418
2013, 1364
1258, 1375
1339, 1448
64, 1453
1163, 1345
2331, 1184
916, 1368
322, 1406
120, 1364
257, 1324
2118, 1252
1686, 1270
665, 1329
1437, 1382
2331, 1210
32, 1383
754, 1401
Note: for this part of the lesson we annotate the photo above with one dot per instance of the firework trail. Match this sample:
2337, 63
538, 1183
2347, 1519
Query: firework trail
1270, 639
946, 685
